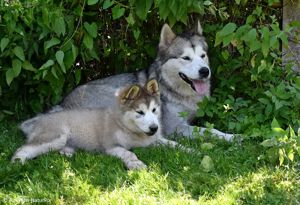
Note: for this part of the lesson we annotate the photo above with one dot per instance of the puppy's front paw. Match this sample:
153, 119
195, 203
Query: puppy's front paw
135, 164
18, 158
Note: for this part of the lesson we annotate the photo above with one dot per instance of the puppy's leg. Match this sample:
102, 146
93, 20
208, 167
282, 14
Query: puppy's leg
31, 150
129, 158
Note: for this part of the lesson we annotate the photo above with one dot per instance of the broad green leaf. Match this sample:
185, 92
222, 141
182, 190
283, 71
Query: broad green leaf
77, 76
136, 34
68, 59
218, 39
92, 2
107, 4
53, 71
91, 29
262, 66
10, 74
292, 132
207, 3
250, 36
18, 51
252, 61
74, 52
59, 26
275, 123
50, 43
228, 29
47, 64
265, 41
269, 143
279, 131
283, 38
117, 12
207, 164
291, 155
59, 55
4, 42
16, 66
142, 8
88, 41
130, 20
94, 54
28, 66
254, 45
227, 39
45, 72
281, 156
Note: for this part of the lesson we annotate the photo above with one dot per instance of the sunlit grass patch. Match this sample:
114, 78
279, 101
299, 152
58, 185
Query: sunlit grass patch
172, 176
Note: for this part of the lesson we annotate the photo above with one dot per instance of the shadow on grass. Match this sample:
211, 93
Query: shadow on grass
235, 167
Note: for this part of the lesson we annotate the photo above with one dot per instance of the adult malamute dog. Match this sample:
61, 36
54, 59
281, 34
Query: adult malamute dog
182, 70
134, 122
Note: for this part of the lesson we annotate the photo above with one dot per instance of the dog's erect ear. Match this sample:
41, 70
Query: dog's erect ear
129, 94
152, 87
198, 29
166, 37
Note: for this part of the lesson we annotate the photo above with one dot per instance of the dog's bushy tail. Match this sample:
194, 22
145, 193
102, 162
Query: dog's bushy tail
29, 125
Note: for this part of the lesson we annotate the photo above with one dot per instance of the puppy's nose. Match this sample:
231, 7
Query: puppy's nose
153, 128
204, 72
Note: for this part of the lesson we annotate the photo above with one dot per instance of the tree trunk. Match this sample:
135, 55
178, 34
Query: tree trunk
291, 53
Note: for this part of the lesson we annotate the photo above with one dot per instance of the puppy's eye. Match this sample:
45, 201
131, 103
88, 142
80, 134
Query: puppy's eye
154, 109
203, 55
186, 58
140, 112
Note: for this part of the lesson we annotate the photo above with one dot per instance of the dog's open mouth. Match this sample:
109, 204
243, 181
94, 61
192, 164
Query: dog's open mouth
200, 86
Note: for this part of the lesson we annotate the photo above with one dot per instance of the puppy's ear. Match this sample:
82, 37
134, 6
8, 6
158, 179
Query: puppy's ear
166, 37
198, 28
129, 94
152, 87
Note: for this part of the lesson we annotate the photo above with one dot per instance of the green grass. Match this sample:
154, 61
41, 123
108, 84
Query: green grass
172, 177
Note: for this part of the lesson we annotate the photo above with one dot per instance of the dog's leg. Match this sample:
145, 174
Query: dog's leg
68, 151
219, 134
187, 130
29, 151
173, 144
129, 158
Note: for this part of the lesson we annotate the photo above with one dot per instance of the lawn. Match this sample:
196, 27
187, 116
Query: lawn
240, 175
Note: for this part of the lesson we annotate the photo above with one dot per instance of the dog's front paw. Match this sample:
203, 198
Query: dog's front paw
68, 151
135, 164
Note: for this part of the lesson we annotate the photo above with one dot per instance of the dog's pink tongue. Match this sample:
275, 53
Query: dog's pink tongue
201, 87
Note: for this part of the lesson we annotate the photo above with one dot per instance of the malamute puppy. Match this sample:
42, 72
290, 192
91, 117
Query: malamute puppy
133, 122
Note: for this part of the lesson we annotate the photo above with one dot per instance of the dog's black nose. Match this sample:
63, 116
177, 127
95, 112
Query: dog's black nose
153, 128
204, 72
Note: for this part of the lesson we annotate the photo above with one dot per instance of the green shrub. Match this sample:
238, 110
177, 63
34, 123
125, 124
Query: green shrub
49, 47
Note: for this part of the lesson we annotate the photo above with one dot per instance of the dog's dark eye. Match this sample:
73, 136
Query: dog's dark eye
154, 109
203, 56
186, 58
140, 112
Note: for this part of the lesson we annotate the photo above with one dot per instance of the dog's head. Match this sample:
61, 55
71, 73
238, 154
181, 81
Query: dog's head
140, 107
184, 61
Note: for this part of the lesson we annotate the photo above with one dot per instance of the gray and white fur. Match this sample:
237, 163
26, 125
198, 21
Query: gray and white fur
133, 122
182, 71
